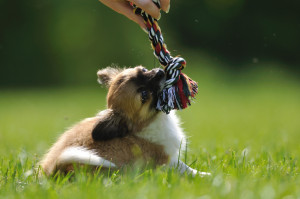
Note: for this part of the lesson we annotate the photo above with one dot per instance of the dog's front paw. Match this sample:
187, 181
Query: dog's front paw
203, 174
195, 173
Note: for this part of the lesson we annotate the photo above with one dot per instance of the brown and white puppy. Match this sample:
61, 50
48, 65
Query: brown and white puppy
129, 130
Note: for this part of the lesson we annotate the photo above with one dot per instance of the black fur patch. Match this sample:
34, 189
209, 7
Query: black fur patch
149, 81
109, 128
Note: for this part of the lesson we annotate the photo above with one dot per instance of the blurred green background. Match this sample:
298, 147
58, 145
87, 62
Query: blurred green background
244, 54
243, 127
55, 43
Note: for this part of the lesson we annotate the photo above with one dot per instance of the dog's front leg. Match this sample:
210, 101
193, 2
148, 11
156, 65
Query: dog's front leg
183, 168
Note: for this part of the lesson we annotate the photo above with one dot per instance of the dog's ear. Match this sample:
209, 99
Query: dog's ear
110, 126
106, 75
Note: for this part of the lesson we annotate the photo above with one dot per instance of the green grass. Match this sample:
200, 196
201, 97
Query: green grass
243, 128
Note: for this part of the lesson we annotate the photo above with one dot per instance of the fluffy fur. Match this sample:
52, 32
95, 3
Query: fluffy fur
129, 130
83, 156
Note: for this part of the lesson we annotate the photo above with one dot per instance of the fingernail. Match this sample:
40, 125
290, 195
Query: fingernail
158, 18
168, 9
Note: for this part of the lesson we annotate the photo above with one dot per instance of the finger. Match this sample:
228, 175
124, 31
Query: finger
149, 7
165, 5
124, 8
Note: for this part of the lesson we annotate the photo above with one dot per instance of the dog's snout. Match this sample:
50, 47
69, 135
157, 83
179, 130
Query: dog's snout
160, 73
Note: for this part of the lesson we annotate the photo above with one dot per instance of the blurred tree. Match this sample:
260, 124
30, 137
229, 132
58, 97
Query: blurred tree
65, 42
240, 31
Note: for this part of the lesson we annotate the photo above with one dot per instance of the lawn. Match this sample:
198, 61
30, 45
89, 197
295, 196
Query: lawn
244, 128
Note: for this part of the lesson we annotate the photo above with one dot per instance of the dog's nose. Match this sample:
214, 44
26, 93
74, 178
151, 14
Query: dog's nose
160, 73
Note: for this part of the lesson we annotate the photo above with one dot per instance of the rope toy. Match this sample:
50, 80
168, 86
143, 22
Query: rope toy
179, 89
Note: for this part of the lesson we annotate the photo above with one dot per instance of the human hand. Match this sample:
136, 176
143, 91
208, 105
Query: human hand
124, 7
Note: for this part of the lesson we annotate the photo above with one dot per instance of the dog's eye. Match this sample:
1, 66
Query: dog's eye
144, 96
144, 69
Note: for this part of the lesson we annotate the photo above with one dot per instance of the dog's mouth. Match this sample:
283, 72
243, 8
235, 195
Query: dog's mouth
161, 85
158, 83
159, 79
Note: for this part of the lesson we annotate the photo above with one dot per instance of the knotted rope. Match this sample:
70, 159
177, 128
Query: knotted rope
179, 89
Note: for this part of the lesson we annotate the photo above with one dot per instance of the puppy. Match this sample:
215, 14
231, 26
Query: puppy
129, 130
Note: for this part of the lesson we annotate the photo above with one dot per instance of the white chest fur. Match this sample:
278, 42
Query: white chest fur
165, 130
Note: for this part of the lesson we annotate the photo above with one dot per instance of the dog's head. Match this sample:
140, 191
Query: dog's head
132, 98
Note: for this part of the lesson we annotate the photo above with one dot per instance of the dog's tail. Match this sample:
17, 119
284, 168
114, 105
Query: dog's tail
71, 155
82, 155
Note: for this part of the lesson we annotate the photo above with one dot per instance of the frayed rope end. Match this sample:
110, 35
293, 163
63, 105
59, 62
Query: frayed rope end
179, 95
